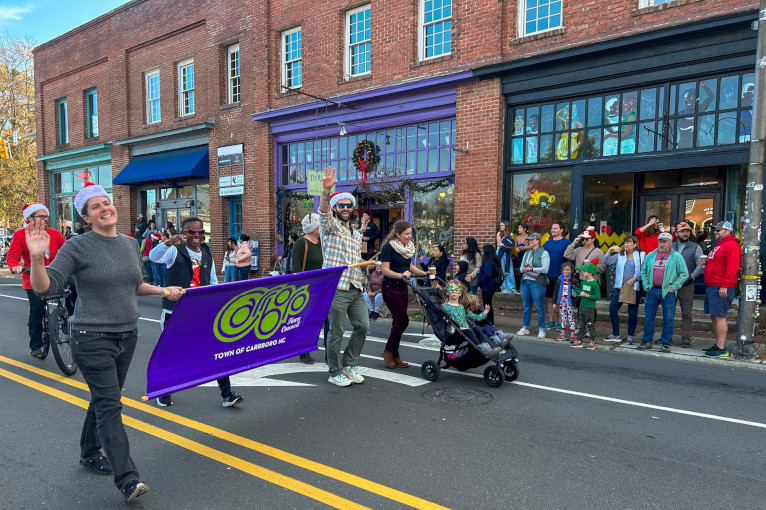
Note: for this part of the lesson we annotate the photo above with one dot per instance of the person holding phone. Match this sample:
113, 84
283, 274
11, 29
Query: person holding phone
649, 234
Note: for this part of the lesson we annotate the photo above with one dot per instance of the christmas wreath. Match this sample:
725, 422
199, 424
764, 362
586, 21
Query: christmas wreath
362, 161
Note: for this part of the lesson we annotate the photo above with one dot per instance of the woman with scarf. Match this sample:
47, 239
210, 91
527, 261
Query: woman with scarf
396, 254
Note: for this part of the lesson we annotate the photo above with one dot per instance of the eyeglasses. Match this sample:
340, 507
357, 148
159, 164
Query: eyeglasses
41, 217
345, 206
194, 231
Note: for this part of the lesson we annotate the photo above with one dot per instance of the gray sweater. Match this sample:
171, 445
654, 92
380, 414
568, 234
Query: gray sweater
107, 272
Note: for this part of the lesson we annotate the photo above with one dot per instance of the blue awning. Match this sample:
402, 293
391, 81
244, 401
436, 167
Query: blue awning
175, 164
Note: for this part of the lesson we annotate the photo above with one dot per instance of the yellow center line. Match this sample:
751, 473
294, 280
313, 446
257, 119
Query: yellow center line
316, 467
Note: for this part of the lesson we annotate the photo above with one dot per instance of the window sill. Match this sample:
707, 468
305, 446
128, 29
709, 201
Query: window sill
540, 35
92, 139
430, 61
352, 79
229, 106
295, 91
184, 117
640, 11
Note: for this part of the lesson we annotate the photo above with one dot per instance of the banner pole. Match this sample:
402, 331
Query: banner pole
360, 264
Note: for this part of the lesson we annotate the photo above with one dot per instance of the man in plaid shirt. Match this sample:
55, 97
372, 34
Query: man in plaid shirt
341, 246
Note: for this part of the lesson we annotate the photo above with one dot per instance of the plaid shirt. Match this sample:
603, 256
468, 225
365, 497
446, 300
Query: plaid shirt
341, 247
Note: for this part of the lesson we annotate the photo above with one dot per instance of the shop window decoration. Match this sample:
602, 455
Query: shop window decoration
365, 157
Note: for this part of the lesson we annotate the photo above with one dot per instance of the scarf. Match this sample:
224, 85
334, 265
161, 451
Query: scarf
405, 251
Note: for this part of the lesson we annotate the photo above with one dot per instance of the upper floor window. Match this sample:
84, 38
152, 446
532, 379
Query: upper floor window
62, 120
185, 88
435, 35
233, 74
91, 113
358, 44
539, 16
153, 97
649, 3
292, 58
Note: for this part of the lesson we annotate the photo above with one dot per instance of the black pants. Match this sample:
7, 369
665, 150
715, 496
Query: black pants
395, 296
487, 298
104, 359
35, 321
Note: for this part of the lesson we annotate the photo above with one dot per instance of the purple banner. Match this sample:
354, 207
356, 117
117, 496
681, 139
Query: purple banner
221, 330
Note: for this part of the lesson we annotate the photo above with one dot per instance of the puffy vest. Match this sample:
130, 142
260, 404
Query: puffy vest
690, 248
180, 274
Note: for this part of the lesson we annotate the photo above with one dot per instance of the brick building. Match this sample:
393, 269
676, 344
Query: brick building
460, 96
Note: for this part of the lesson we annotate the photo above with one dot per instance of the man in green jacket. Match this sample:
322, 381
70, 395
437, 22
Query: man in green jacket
662, 273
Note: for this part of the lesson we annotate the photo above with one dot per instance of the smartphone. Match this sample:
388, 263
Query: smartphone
662, 227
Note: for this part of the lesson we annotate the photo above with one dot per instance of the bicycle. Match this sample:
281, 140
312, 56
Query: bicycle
56, 335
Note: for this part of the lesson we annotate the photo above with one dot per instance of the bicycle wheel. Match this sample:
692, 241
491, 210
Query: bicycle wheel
58, 332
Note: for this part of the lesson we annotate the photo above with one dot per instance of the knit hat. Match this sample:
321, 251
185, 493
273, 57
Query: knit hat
590, 267
340, 195
88, 191
310, 223
29, 209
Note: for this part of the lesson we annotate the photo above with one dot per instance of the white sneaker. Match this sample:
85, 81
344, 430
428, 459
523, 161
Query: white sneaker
541, 334
612, 338
523, 331
353, 373
339, 380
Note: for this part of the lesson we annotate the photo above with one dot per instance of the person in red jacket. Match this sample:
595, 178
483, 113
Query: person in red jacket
648, 234
721, 270
18, 258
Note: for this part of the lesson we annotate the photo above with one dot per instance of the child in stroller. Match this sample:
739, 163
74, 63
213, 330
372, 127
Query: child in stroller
497, 337
458, 313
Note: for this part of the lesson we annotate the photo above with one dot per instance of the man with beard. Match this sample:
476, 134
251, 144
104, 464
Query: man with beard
342, 246
648, 234
691, 252
663, 273
721, 279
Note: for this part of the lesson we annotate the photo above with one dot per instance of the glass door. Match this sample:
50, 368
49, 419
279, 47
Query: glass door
700, 210
662, 206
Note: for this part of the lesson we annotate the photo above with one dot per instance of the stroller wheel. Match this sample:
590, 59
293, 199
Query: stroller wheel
429, 370
493, 376
511, 371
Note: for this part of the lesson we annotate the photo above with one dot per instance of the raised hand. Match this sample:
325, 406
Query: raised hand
328, 181
486, 308
176, 240
37, 238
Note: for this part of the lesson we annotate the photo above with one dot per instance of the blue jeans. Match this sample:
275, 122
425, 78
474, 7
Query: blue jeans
230, 274
243, 273
159, 273
614, 308
509, 284
149, 273
653, 300
532, 292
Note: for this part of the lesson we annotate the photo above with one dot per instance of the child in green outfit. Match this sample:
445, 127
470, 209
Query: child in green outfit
589, 292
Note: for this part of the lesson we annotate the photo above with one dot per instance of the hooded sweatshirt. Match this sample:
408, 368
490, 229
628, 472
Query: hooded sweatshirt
723, 263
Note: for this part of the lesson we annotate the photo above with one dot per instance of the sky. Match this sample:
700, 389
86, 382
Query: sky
42, 20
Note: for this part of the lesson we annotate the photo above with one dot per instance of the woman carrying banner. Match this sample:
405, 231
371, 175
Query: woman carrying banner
107, 267
396, 255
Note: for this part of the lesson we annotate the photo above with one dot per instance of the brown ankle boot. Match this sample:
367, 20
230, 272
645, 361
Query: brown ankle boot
399, 363
388, 359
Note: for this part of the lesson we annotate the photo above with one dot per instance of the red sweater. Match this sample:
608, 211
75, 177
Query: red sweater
723, 263
18, 254
648, 243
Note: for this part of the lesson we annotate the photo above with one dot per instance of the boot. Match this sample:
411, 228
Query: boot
388, 358
399, 363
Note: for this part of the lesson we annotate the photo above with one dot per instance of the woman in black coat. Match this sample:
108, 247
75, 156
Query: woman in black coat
440, 261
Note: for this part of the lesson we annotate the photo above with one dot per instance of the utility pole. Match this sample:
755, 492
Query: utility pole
751, 233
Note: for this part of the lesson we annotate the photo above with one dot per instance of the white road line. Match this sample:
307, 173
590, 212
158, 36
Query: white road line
10, 285
14, 297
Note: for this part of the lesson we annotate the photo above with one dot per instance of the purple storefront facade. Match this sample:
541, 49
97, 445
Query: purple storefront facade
413, 124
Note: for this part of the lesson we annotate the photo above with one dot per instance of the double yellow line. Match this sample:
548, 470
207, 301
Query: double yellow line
217, 455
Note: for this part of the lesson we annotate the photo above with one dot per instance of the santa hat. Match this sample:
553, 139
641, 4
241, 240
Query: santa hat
88, 191
29, 209
157, 236
340, 195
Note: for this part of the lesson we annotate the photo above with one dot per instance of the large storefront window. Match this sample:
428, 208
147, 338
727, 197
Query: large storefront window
433, 214
608, 206
541, 198
67, 183
709, 112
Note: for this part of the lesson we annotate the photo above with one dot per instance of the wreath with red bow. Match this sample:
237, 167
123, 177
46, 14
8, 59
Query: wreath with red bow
363, 161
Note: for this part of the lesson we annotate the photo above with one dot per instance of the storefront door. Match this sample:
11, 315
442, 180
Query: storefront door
174, 217
699, 209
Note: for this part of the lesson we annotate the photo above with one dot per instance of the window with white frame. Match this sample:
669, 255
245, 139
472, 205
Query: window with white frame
539, 16
292, 58
358, 56
650, 3
185, 88
435, 35
153, 96
233, 74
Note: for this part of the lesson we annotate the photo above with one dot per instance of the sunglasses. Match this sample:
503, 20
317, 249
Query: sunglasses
345, 206
194, 231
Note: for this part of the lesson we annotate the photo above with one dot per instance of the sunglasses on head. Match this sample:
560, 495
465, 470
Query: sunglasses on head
345, 206
194, 231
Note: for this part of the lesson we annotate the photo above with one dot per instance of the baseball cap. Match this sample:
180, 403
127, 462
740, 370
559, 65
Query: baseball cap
723, 224
589, 267
683, 226
665, 236
535, 235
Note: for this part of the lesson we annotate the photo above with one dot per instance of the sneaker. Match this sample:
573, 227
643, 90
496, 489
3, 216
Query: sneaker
353, 373
523, 331
576, 344
99, 465
133, 489
686, 343
561, 337
36, 353
541, 333
306, 358
665, 348
717, 353
374, 316
572, 338
630, 339
591, 346
339, 380
165, 401
612, 338
549, 325
559, 326
232, 400
711, 348
645, 346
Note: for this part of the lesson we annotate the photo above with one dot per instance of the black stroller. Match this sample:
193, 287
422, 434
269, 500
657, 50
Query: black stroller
456, 349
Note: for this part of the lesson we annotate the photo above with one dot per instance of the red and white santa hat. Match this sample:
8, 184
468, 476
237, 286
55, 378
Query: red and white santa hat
157, 236
29, 209
88, 191
340, 195
589, 232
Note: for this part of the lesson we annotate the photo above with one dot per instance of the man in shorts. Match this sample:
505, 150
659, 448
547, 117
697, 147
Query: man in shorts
721, 270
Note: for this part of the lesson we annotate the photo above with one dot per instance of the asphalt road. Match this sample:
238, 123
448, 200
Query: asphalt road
579, 429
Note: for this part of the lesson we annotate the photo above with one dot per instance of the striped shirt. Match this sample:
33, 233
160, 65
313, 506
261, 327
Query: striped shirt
341, 247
